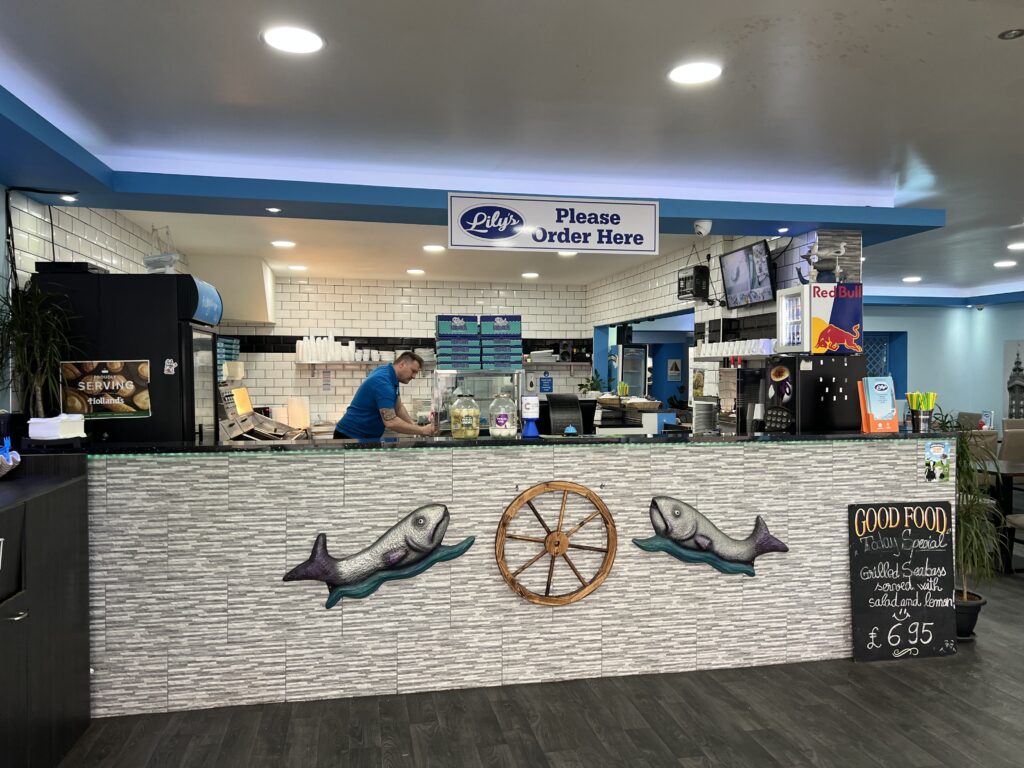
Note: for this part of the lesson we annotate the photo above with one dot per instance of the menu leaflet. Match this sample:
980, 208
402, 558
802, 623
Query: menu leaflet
901, 580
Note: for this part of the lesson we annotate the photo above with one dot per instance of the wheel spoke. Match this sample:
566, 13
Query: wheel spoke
561, 512
517, 537
531, 562
588, 548
582, 580
537, 515
551, 573
594, 514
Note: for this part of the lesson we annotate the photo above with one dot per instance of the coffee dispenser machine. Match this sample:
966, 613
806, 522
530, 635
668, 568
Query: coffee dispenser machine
812, 394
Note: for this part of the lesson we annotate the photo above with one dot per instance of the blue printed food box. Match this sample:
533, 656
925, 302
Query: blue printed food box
457, 325
501, 344
458, 346
501, 325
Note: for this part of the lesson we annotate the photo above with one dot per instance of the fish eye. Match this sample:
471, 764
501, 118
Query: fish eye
421, 520
676, 512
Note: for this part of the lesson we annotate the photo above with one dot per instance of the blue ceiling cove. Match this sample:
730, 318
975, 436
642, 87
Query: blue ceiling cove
34, 153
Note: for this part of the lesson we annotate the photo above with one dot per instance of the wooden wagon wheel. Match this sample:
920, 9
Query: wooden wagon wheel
555, 542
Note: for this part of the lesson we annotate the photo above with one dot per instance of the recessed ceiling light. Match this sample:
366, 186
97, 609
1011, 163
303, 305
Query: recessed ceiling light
292, 39
783, 230
433, 248
1016, 246
297, 267
415, 271
69, 198
1011, 34
567, 253
1005, 264
695, 73
282, 244
969, 306
912, 279
530, 275
273, 210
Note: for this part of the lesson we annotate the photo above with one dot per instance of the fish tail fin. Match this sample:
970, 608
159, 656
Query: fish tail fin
319, 567
763, 539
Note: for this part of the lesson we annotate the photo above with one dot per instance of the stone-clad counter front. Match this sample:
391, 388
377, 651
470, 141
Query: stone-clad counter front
188, 552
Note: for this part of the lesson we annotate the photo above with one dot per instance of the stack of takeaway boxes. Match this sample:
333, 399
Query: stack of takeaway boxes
490, 342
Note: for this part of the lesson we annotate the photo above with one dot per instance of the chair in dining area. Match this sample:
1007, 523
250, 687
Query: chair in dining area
1012, 450
968, 419
1013, 424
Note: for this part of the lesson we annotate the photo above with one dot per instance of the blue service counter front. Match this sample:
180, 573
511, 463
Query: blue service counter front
188, 551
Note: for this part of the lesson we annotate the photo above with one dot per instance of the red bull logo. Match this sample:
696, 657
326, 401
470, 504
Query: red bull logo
832, 337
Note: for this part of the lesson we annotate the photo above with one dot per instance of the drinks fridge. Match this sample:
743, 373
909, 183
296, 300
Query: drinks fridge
821, 318
144, 365
628, 363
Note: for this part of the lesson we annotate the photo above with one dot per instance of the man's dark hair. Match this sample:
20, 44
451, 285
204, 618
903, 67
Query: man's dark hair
411, 357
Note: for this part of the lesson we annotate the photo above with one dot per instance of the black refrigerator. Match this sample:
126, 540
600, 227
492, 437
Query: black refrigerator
144, 367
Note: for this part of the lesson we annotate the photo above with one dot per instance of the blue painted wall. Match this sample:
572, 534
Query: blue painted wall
955, 351
601, 342
661, 388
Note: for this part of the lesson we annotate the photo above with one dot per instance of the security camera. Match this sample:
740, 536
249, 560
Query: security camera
702, 227
979, 307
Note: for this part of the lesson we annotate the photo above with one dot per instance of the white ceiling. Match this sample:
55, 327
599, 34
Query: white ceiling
912, 102
355, 249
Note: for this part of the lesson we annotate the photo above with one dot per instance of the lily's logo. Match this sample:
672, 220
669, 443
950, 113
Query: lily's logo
491, 222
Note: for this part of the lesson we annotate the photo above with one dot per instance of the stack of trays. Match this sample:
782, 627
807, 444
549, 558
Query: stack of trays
705, 417
458, 343
501, 341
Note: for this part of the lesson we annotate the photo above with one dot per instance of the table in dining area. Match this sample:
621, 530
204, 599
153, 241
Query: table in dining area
1008, 472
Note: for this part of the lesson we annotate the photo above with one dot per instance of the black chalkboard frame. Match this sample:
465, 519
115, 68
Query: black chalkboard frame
901, 580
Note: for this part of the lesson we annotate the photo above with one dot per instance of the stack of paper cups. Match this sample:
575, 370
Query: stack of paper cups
298, 412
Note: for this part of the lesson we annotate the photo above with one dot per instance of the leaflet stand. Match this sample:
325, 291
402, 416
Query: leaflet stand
869, 422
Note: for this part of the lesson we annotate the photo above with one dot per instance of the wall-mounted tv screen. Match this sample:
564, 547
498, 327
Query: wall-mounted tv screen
746, 275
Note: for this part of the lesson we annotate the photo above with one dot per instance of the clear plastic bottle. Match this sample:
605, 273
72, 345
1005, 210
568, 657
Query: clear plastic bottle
504, 421
465, 417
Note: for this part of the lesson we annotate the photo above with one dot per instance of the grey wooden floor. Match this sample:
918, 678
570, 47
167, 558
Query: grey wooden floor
960, 711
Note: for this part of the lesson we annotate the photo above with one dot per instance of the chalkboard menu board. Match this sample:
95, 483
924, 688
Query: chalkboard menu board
901, 580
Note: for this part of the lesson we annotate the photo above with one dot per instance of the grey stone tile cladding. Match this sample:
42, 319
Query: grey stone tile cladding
188, 609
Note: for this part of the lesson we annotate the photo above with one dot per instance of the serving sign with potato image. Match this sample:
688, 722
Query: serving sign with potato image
106, 389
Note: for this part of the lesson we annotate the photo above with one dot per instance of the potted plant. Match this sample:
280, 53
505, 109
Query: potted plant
592, 387
978, 524
35, 335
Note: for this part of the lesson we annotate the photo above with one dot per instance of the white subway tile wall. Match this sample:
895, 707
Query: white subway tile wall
103, 237
312, 306
322, 306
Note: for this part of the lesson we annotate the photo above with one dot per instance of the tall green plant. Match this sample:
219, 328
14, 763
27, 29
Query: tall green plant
35, 335
977, 514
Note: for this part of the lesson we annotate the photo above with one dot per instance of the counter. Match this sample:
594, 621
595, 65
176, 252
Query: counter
386, 443
188, 549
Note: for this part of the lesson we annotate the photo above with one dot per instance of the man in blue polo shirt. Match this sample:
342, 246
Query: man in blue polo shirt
377, 404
